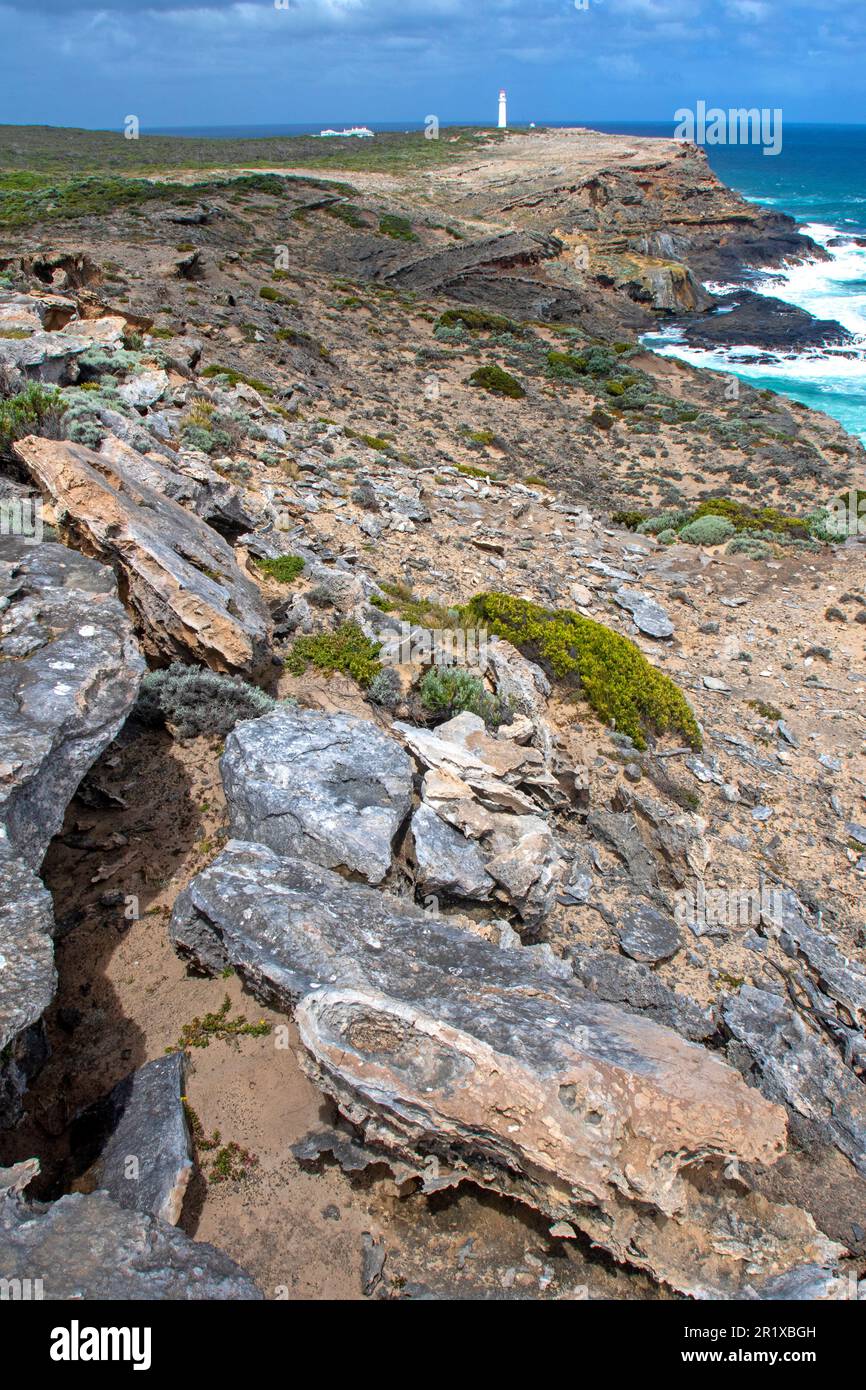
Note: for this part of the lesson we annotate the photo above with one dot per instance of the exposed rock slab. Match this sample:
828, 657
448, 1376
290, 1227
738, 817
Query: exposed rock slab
648, 615
27, 977
332, 788
193, 484
87, 1247
475, 1063
800, 1070
179, 578
69, 675
145, 1162
70, 679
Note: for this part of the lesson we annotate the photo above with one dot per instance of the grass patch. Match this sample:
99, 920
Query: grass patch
398, 228
613, 676
218, 1027
284, 568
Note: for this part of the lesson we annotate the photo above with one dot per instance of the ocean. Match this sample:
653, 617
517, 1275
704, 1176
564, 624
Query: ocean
818, 178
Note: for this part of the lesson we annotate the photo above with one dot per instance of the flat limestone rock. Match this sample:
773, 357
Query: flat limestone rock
72, 680
180, 579
332, 788
87, 1247
647, 935
146, 1161
648, 615
480, 1065
191, 483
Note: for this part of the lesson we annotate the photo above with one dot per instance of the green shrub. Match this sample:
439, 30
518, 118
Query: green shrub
478, 321
34, 410
284, 568
346, 212
600, 419
613, 676
448, 690
707, 530
565, 365
400, 228
346, 650
750, 546
667, 537
497, 382
194, 701
666, 521
630, 520
233, 378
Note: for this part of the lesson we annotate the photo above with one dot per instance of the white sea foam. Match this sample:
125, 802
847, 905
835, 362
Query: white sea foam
830, 378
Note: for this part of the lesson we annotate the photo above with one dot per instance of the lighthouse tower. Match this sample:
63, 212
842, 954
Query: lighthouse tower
503, 111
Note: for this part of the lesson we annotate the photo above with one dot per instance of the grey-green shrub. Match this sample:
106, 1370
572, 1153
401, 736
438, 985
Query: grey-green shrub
195, 701
707, 530
448, 690
385, 689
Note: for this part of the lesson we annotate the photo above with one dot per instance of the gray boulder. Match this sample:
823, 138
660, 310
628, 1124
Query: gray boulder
72, 680
27, 977
647, 935
648, 615
799, 1070
472, 1063
87, 1248
331, 788
447, 862
145, 1160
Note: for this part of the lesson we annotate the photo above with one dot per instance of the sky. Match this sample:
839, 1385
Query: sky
248, 62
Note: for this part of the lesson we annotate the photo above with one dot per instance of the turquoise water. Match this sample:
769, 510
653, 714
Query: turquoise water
820, 179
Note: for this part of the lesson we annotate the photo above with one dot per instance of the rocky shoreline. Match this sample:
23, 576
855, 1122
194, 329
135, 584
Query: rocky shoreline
382, 967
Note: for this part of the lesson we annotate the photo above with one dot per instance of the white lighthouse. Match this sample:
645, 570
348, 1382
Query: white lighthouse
503, 111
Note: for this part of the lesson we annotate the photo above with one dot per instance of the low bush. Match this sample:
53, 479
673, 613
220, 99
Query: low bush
613, 676
498, 382
707, 530
347, 650
34, 410
448, 690
193, 701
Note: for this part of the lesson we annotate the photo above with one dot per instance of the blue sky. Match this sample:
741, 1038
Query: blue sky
220, 62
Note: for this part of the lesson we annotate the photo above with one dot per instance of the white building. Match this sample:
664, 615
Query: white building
503, 111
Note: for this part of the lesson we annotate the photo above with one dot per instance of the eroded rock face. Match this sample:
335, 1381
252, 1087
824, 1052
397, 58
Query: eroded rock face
142, 1119
27, 977
70, 679
179, 578
331, 788
799, 1070
69, 675
435, 1042
87, 1247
